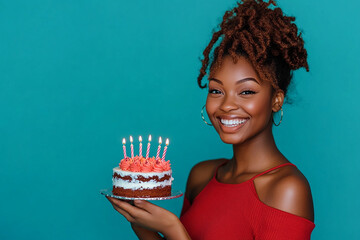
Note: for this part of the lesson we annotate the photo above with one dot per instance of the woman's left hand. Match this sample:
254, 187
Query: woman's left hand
147, 215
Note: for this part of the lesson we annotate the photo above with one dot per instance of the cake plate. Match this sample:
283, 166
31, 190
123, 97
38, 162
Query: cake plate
174, 194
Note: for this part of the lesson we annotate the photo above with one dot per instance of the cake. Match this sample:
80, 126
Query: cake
142, 177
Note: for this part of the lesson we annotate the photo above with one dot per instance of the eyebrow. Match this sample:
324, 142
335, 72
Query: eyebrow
237, 82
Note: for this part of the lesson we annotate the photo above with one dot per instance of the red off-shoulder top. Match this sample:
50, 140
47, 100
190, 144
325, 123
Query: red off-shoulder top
234, 211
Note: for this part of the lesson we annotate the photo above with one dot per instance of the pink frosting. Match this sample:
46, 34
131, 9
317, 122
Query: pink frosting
158, 167
147, 167
135, 167
125, 164
141, 164
166, 165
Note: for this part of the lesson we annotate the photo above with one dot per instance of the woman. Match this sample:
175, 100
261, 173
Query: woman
258, 194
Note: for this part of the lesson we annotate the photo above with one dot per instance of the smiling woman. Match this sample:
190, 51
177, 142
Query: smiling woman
258, 193
239, 100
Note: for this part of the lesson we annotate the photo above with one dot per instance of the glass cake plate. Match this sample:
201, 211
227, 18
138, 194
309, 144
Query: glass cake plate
174, 194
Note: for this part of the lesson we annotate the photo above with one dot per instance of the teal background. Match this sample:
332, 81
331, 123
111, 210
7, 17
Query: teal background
77, 76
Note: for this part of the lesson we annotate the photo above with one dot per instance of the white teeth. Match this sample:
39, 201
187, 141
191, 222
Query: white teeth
232, 122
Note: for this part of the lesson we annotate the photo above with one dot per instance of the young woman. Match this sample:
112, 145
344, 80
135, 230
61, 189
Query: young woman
258, 193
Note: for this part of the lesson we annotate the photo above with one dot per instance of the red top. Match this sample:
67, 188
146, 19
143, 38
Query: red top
234, 211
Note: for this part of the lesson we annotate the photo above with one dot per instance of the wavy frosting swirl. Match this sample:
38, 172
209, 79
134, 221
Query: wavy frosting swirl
124, 165
141, 164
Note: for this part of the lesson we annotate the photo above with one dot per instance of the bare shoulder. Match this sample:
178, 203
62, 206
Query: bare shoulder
287, 190
199, 177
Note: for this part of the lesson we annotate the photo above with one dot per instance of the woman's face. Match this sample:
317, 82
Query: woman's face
239, 104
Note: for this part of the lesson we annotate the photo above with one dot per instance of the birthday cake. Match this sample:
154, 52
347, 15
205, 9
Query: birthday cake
139, 176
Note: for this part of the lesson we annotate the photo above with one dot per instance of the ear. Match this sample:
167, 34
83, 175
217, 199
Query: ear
277, 100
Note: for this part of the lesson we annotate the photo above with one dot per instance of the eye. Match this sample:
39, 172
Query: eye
214, 91
247, 92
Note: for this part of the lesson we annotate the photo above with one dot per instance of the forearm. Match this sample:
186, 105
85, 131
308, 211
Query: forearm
177, 232
145, 234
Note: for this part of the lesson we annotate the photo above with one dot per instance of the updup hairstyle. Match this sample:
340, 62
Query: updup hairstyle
264, 36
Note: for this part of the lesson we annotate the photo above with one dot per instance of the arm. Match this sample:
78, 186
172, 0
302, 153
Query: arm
292, 194
286, 210
199, 177
147, 219
143, 233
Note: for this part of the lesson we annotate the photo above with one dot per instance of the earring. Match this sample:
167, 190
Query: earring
202, 116
282, 113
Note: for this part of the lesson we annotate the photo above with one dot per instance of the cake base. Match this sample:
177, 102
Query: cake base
155, 192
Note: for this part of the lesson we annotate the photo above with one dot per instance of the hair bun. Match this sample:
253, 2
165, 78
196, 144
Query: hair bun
265, 36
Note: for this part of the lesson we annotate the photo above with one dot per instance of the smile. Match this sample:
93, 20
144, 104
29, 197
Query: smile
233, 122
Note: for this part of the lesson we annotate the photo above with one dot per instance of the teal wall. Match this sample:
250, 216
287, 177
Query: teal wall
77, 76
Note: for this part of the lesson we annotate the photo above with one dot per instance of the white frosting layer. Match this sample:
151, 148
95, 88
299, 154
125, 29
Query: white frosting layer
135, 184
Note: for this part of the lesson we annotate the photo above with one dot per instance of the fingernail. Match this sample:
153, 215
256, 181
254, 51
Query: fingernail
138, 201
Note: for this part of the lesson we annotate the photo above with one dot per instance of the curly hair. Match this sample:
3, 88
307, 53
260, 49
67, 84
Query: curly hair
265, 36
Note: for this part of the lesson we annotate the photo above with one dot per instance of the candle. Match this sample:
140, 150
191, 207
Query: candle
165, 148
158, 150
140, 146
131, 147
148, 148
124, 148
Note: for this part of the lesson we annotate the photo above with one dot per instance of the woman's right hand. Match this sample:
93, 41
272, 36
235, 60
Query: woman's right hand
150, 217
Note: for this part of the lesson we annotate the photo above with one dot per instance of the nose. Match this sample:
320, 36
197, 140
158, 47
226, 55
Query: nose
228, 104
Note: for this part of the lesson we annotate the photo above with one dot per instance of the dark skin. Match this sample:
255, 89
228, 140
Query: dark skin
240, 106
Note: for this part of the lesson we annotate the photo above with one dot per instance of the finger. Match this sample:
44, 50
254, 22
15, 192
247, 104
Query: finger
132, 210
111, 200
125, 214
117, 201
121, 211
146, 205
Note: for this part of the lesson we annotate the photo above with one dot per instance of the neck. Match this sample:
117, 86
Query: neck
256, 154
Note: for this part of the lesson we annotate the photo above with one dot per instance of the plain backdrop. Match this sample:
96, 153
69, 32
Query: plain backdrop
77, 76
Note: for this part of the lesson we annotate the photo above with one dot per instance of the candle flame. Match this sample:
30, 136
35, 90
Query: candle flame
140, 139
131, 139
160, 140
149, 138
167, 142
123, 141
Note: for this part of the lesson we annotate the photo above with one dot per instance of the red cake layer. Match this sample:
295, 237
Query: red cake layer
155, 192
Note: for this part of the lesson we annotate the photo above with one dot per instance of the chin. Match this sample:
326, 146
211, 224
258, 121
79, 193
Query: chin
231, 139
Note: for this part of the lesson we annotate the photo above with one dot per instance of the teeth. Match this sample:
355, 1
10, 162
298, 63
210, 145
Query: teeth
232, 122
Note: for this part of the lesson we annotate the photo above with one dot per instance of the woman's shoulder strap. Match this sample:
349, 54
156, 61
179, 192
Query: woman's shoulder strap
271, 169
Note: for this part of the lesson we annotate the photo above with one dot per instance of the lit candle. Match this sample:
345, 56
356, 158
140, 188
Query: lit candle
158, 150
148, 148
131, 147
165, 148
124, 148
140, 146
